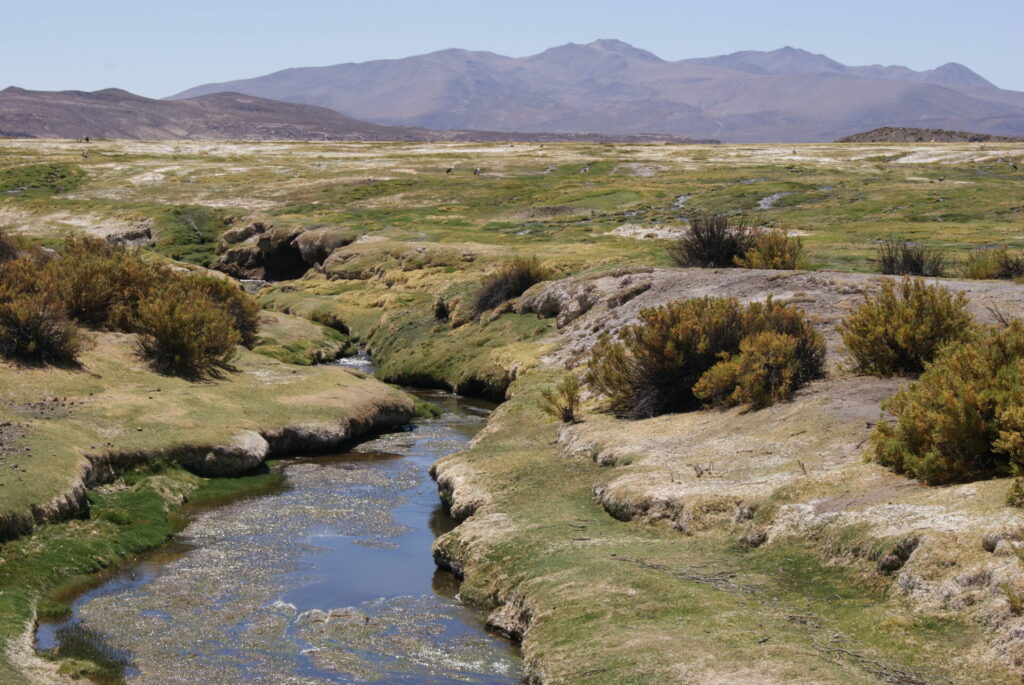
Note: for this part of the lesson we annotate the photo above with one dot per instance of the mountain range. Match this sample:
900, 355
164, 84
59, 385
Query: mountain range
114, 113
611, 87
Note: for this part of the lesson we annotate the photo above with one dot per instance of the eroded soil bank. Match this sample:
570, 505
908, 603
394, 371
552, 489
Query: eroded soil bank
329, 580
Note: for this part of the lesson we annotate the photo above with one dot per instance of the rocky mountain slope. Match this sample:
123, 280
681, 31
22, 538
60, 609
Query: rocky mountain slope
118, 114
612, 87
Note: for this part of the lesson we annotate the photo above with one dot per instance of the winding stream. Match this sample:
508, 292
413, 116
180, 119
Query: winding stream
329, 580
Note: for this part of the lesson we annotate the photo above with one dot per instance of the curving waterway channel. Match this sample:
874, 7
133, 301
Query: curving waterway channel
330, 579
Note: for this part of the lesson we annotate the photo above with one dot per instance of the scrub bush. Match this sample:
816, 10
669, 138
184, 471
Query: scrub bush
242, 307
713, 241
773, 249
999, 263
684, 353
904, 327
181, 332
34, 328
963, 420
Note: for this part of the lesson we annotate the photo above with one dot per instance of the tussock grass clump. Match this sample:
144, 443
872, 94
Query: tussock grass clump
713, 241
963, 420
562, 402
712, 350
181, 334
512, 280
904, 258
993, 264
773, 249
903, 328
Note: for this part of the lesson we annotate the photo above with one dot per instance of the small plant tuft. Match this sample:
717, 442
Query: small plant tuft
1013, 599
906, 258
511, 280
903, 328
563, 401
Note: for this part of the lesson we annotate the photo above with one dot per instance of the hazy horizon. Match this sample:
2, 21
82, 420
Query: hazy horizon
157, 51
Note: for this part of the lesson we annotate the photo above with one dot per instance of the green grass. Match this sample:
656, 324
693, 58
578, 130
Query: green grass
701, 605
36, 180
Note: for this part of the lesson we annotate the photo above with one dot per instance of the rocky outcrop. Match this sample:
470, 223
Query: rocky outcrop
569, 299
261, 251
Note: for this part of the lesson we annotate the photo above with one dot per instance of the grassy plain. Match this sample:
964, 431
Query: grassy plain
612, 601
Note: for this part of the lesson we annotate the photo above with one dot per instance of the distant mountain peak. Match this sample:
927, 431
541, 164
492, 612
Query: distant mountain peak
619, 47
954, 74
610, 86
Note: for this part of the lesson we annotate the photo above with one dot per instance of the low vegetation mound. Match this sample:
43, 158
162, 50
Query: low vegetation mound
40, 179
773, 249
900, 134
710, 350
188, 324
512, 280
902, 328
963, 420
992, 264
904, 258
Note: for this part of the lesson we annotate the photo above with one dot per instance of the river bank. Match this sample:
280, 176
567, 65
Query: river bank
328, 578
67, 432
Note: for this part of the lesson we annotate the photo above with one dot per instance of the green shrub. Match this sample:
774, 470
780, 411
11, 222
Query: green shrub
774, 249
242, 307
904, 258
40, 179
713, 240
991, 264
963, 419
563, 401
763, 373
181, 332
903, 327
659, 364
101, 284
34, 328
512, 280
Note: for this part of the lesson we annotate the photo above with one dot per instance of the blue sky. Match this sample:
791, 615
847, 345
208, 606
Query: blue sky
160, 49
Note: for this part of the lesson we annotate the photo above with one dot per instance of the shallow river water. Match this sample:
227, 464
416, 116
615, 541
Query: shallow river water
329, 580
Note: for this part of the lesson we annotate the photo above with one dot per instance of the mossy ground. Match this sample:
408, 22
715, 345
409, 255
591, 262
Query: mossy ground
297, 340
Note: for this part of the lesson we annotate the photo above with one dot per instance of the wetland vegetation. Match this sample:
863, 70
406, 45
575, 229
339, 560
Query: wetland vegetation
746, 538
